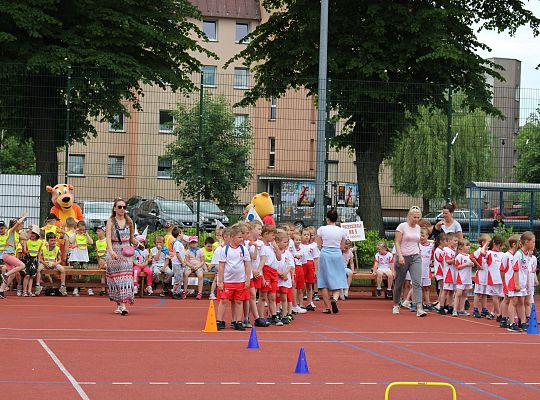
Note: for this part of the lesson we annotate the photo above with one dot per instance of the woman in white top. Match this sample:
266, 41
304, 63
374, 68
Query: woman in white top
331, 274
409, 260
448, 224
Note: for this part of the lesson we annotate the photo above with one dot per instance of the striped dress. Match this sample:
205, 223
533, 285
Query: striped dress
120, 271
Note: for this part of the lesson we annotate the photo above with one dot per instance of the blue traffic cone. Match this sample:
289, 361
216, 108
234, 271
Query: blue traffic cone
533, 322
253, 341
301, 365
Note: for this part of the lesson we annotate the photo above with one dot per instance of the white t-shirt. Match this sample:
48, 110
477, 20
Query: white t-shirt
347, 257
299, 255
268, 251
410, 239
493, 261
426, 251
162, 257
178, 251
507, 265
521, 265
455, 227
234, 270
290, 248
331, 235
287, 261
257, 245
463, 276
141, 255
384, 261
532, 270
481, 273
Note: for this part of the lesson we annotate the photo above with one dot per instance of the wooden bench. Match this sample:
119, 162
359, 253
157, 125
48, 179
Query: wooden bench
369, 283
71, 273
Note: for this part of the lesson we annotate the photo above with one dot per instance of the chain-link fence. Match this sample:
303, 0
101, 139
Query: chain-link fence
161, 150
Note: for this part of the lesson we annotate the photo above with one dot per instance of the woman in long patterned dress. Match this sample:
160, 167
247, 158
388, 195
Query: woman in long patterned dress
120, 234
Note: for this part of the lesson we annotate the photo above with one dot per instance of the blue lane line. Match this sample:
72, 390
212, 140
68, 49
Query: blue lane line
420, 369
453, 363
161, 302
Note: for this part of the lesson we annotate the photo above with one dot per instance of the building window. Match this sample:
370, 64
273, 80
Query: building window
240, 123
241, 78
166, 121
242, 30
210, 30
209, 75
76, 165
164, 167
117, 123
271, 189
115, 166
272, 153
273, 108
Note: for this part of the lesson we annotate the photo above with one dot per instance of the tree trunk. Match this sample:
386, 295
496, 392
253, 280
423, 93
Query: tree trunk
368, 160
425, 205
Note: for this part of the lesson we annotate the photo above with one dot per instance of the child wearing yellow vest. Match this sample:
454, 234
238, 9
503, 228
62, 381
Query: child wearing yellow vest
101, 251
13, 265
31, 250
3, 240
69, 235
50, 226
78, 256
50, 259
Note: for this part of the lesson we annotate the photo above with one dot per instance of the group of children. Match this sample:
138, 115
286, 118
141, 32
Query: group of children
509, 277
25, 254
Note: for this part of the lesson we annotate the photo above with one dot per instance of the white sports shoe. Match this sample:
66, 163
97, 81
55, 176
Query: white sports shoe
395, 310
118, 309
76, 292
299, 310
212, 296
149, 291
90, 292
407, 304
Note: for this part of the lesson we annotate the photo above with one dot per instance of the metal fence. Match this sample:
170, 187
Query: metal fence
171, 147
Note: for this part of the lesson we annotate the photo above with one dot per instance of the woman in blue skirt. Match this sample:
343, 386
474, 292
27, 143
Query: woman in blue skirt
331, 274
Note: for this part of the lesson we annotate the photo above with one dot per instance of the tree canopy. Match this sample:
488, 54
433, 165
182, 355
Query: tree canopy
108, 49
385, 59
419, 156
527, 167
215, 161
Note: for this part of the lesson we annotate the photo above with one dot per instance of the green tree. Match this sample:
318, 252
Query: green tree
419, 157
110, 49
527, 167
214, 162
16, 156
405, 53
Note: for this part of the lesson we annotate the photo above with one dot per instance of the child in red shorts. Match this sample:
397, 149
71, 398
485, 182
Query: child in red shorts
309, 268
234, 270
284, 267
255, 246
299, 283
269, 253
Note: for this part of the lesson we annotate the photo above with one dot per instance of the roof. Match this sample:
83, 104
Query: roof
239, 9
504, 186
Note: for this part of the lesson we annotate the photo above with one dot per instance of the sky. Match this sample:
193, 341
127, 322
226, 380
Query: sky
524, 47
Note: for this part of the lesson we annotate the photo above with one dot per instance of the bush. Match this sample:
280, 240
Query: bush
366, 249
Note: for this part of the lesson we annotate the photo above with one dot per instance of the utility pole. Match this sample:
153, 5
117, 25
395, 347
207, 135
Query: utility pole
199, 150
321, 116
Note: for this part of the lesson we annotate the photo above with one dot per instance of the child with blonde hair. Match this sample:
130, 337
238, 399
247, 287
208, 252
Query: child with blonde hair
426, 254
347, 252
481, 278
463, 266
382, 268
507, 273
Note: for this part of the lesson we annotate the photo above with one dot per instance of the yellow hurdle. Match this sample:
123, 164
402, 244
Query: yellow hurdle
390, 386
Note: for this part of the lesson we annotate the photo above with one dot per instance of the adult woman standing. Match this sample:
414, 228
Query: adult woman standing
331, 272
119, 236
408, 254
448, 224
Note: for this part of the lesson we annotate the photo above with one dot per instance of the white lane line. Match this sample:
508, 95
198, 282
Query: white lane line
368, 383
333, 383
87, 383
470, 383
230, 383
162, 383
195, 383
265, 383
499, 383
531, 383
59, 364
300, 383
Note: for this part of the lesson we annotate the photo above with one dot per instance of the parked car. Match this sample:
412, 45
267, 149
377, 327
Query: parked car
210, 211
133, 204
155, 213
96, 213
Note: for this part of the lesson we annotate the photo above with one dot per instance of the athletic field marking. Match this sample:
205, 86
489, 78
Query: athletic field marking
59, 364
194, 383
230, 383
122, 383
163, 383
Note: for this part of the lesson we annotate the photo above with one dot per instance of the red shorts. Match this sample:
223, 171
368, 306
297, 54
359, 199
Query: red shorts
271, 277
256, 282
309, 271
235, 291
299, 281
218, 295
287, 291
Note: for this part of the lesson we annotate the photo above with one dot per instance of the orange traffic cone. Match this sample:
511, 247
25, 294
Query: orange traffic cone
211, 325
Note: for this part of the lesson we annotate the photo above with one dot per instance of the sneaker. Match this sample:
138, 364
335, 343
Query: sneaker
412, 308
118, 309
309, 307
290, 317
316, 297
246, 323
389, 294
463, 313
238, 326
421, 313
124, 309
476, 314
184, 295
378, 292
485, 312
76, 292
467, 305
450, 309
285, 320
278, 322
199, 297
305, 297
504, 323
149, 291
524, 326
62, 290
221, 325
407, 304
514, 328
261, 322
499, 318
135, 290
102, 292
90, 292
25, 294
455, 314
395, 310
19, 293
2, 296
342, 296
334, 306
490, 316
212, 296
442, 311
299, 310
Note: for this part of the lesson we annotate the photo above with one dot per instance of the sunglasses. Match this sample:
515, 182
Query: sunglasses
121, 207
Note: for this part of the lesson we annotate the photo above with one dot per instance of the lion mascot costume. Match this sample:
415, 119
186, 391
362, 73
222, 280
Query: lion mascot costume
262, 203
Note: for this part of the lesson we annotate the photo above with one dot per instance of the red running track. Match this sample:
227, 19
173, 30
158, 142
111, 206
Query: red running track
71, 348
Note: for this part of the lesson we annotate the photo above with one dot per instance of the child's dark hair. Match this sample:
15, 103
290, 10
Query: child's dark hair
175, 232
50, 236
332, 215
439, 238
81, 224
209, 240
497, 240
